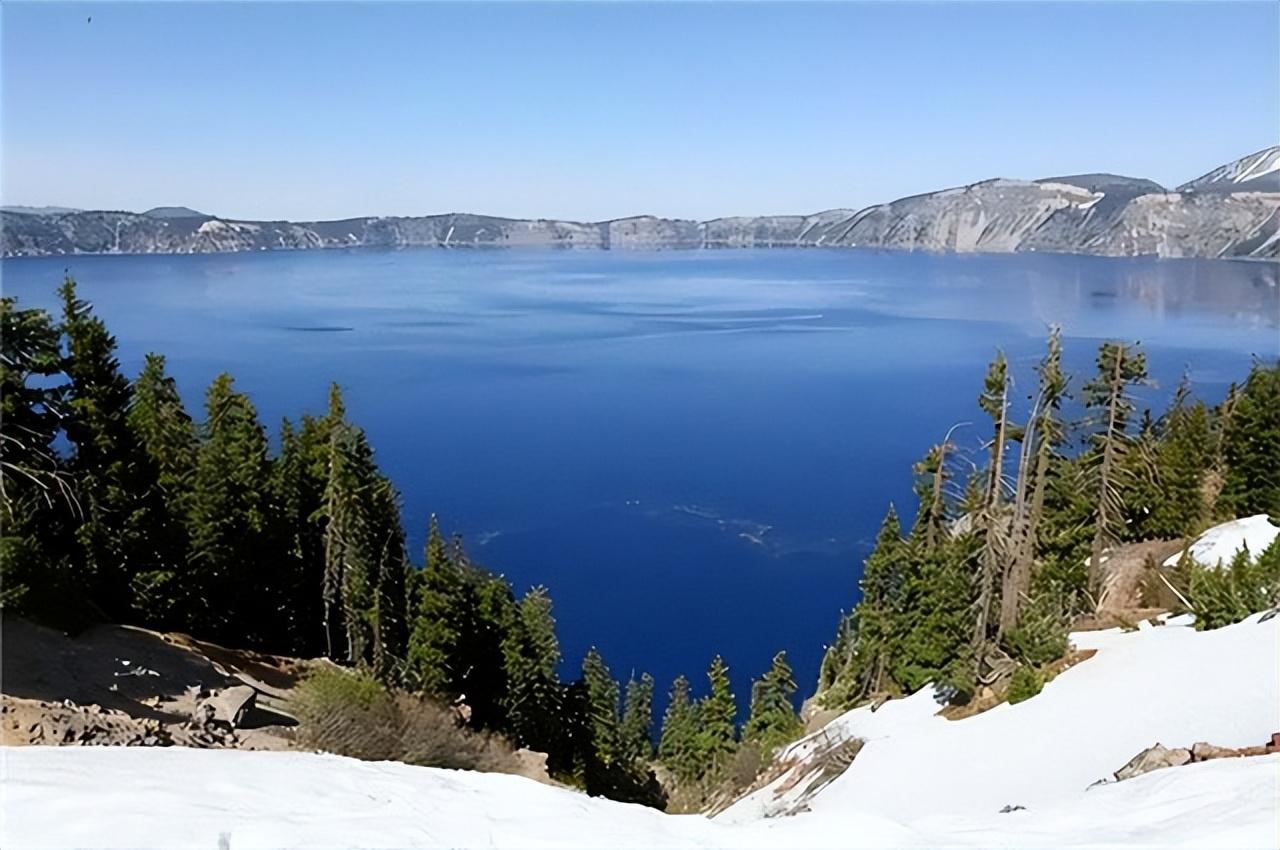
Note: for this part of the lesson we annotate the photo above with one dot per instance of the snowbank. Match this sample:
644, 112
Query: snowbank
920, 782
176, 798
1167, 684
1220, 544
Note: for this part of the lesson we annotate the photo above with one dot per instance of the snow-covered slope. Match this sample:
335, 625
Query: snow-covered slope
181, 798
1168, 684
1219, 545
920, 781
1257, 172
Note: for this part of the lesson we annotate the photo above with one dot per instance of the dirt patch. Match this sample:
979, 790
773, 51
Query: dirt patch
119, 684
1125, 574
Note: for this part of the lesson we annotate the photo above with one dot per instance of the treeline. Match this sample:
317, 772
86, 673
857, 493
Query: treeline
117, 505
1007, 549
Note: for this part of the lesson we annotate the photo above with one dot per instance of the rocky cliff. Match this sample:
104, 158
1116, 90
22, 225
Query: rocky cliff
1232, 211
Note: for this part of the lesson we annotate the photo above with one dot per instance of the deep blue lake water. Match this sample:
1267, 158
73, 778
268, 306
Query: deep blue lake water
692, 450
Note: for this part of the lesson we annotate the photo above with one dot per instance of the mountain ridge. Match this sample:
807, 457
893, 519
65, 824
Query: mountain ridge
1232, 211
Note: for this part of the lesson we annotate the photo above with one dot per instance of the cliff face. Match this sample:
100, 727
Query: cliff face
1233, 211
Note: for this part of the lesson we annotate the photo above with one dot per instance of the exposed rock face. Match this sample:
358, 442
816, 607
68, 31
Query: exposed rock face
1233, 211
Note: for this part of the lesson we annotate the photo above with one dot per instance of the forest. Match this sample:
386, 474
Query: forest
118, 505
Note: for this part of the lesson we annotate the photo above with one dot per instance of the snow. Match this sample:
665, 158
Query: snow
1168, 684
1263, 163
919, 782
1219, 545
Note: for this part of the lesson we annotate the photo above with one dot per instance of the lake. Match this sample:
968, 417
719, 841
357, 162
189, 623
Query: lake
692, 450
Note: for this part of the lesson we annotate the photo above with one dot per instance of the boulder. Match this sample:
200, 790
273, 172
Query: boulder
1153, 758
1203, 751
533, 765
227, 706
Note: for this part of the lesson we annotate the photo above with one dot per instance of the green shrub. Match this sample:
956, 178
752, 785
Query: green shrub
348, 712
1230, 592
1027, 681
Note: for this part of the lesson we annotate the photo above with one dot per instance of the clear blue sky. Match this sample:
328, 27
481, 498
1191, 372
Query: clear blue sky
591, 111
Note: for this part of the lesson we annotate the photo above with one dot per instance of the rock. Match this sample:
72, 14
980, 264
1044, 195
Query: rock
1203, 751
228, 706
1153, 758
533, 765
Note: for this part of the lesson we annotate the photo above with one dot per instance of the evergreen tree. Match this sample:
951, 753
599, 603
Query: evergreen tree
484, 678
535, 698
1175, 454
602, 709
228, 520
717, 710
106, 458
637, 720
461, 620
1041, 449
434, 632
1065, 535
170, 448
678, 746
1107, 398
38, 506
297, 489
837, 669
992, 520
936, 643
885, 577
1251, 446
365, 563
773, 721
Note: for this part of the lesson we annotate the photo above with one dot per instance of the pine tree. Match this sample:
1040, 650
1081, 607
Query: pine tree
434, 631
636, 730
936, 638
365, 563
678, 747
1107, 398
535, 698
1041, 448
1171, 460
992, 519
773, 721
297, 489
1251, 446
38, 505
484, 678
386, 543
170, 448
228, 520
837, 669
462, 618
717, 729
106, 459
885, 577
602, 709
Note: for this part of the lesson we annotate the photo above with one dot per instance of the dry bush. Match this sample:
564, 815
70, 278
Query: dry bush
351, 714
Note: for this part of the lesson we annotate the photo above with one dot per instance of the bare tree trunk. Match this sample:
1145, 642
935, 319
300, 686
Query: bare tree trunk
1018, 586
935, 507
995, 545
1100, 533
332, 548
